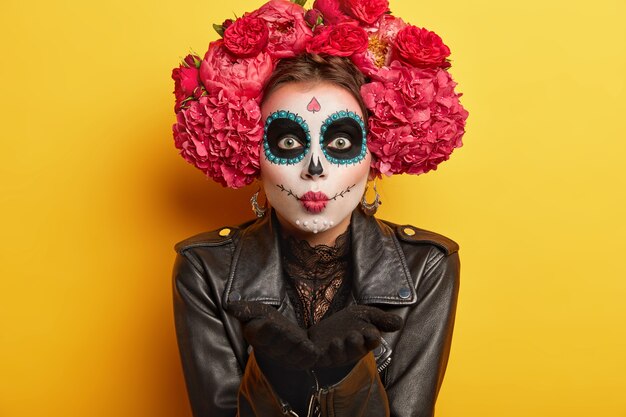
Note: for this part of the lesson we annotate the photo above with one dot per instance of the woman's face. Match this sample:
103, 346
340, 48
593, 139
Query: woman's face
314, 161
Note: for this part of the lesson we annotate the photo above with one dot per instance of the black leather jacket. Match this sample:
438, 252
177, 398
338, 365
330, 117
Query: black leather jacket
402, 269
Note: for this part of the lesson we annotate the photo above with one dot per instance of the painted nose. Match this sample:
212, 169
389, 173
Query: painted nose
315, 166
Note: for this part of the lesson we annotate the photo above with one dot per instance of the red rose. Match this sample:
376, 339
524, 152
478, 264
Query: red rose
312, 17
343, 39
331, 11
367, 11
186, 80
289, 31
421, 48
246, 37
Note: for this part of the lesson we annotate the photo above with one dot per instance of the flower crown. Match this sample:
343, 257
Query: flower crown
415, 117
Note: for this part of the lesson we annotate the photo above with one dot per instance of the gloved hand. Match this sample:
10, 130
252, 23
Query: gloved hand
348, 335
273, 335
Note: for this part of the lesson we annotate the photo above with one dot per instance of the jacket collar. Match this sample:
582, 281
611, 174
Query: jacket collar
380, 272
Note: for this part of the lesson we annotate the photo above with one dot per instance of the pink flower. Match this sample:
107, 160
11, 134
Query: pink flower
380, 45
246, 76
246, 37
331, 11
186, 81
343, 39
288, 31
221, 135
416, 121
367, 11
421, 48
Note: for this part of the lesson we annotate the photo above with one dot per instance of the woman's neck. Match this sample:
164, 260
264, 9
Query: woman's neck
326, 237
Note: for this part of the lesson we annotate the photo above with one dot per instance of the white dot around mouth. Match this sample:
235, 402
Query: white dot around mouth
314, 225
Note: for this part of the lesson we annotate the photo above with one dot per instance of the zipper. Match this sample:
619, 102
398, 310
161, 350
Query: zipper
383, 365
313, 410
286, 409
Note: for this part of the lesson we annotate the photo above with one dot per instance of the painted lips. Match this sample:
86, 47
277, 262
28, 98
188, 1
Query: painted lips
314, 202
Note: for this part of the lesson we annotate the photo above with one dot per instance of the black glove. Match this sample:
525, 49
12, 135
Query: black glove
348, 335
273, 335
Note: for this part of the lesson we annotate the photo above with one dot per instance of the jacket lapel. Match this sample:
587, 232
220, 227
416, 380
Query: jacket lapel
380, 273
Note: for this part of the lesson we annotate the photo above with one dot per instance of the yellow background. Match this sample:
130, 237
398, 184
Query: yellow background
94, 196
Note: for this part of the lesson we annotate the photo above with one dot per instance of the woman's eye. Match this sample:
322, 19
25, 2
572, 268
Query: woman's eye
289, 142
341, 143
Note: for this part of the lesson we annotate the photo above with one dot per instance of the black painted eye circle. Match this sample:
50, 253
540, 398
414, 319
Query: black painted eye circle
340, 144
286, 139
344, 138
289, 142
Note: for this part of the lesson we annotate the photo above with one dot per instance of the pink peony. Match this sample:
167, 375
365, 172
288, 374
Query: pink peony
380, 45
221, 135
416, 121
421, 48
288, 31
367, 11
246, 76
343, 39
246, 37
186, 81
331, 11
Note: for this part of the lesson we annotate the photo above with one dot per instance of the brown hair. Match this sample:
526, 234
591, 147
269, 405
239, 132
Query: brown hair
310, 68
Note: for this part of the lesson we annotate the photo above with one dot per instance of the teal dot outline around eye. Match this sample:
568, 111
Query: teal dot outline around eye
285, 114
339, 115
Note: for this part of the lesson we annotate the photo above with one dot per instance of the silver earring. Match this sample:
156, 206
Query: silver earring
258, 210
370, 208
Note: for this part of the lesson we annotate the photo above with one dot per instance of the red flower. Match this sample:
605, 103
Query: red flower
331, 11
421, 48
221, 135
367, 11
343, 39
312, 17
246, 37
246, 76
416, 119
380, 45
186, 81
288, 31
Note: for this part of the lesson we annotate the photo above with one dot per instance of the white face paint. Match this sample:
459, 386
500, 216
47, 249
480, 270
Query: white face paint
315, 162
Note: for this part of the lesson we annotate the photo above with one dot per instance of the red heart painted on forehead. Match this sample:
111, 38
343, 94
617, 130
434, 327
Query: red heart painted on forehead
314, 105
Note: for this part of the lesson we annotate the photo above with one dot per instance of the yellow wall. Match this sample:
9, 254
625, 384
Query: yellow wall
93, 197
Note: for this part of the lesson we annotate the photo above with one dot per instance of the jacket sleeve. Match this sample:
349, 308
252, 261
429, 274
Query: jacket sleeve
416, 371
202, 338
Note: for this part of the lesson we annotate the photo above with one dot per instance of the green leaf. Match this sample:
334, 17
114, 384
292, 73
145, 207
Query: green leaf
300, 2
219, 29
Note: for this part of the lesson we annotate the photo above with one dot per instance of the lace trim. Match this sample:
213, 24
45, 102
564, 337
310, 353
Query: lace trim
317, 274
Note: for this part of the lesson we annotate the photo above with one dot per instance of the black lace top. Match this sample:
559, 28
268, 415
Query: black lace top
319, 277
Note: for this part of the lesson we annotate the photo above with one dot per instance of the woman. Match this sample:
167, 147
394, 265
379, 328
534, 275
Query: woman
317, 308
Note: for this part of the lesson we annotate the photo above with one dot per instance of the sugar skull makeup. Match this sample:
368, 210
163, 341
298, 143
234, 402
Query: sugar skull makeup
342, 138
315, 162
